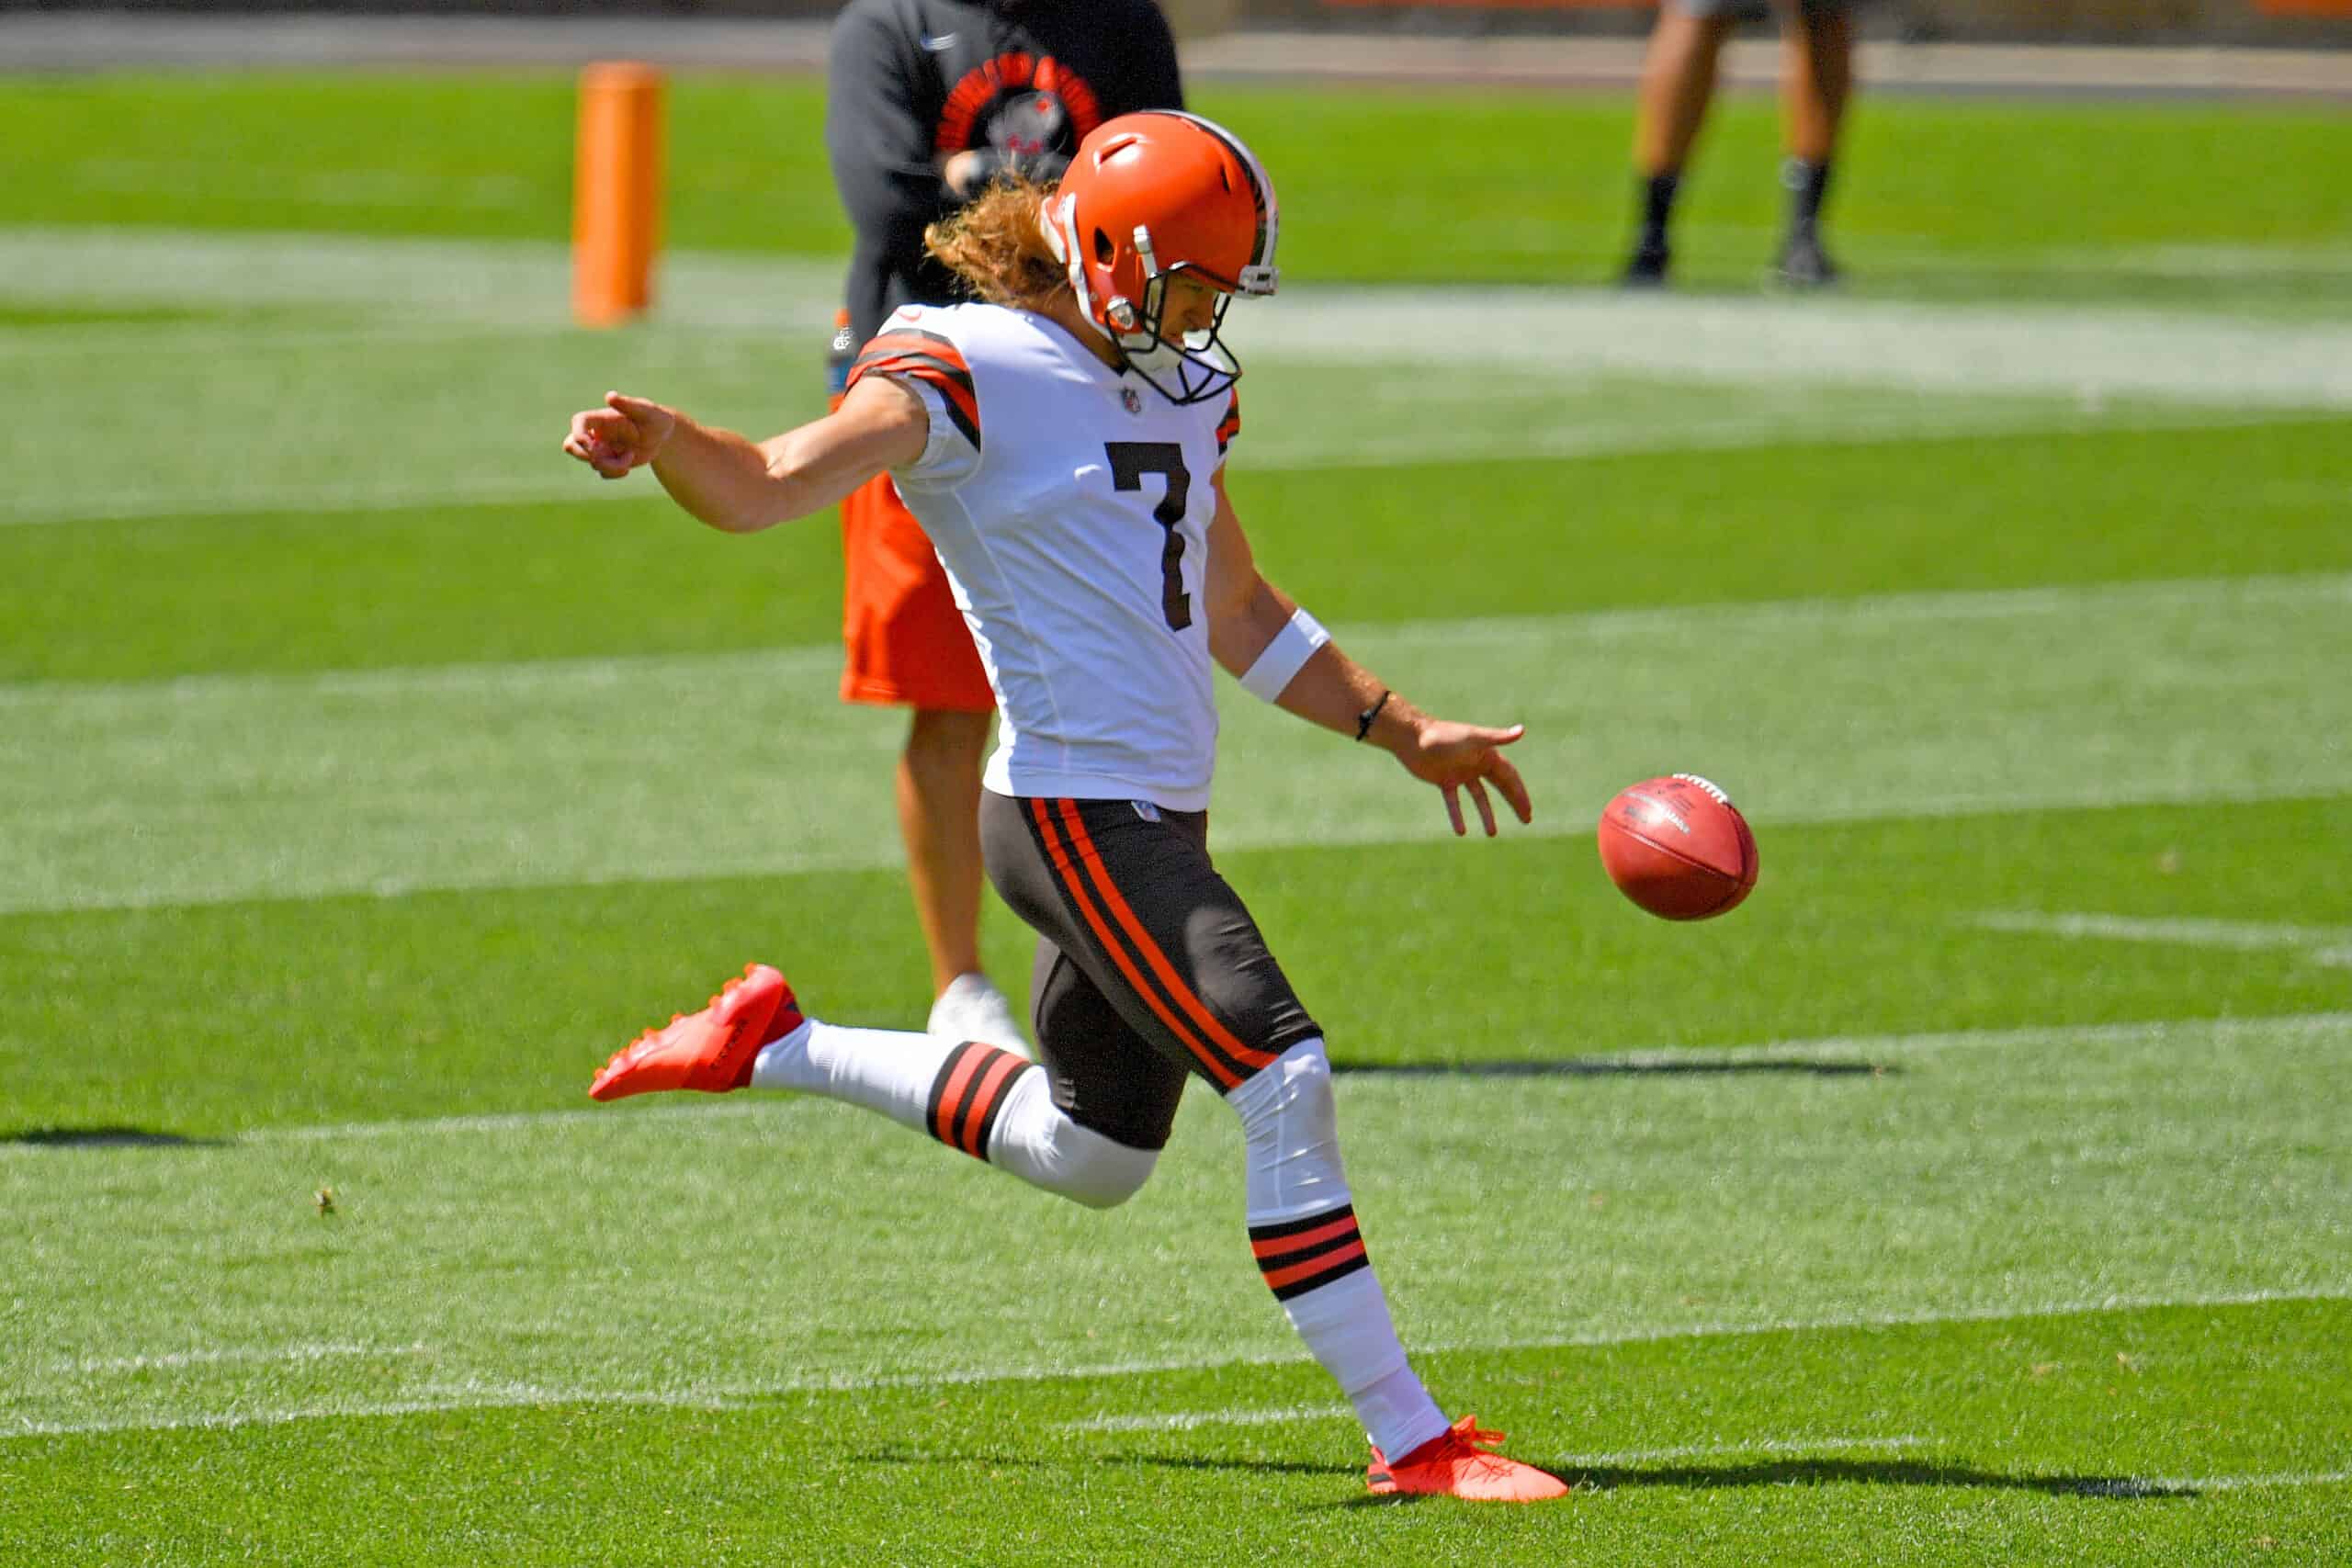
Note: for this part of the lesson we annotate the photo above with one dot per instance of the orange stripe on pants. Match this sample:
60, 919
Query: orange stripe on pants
1248, 1057
1222, 1075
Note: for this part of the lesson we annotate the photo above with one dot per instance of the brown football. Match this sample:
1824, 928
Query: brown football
1678, 847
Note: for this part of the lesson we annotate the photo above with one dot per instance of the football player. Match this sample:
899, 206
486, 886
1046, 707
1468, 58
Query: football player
927, 102
1064, 446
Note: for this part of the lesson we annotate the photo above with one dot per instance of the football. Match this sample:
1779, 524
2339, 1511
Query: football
1678, 847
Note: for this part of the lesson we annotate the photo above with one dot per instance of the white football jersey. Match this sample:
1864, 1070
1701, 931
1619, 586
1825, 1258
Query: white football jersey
1070, 505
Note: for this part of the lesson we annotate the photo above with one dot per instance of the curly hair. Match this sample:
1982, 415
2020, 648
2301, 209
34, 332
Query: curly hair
996, 245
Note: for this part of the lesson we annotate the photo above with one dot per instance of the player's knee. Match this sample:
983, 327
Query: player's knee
1036, 1140
1107, 1178
1291, 1099
1290, 1127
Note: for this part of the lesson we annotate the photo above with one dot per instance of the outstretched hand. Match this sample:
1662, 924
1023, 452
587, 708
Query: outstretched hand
627, 432
1458, 757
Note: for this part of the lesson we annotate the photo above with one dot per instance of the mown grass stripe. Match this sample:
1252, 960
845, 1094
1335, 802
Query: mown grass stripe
597, 772
2071, 350
1860, 1048
718, 1395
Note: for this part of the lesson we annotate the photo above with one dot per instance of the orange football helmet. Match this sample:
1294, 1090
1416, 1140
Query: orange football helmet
1148, 195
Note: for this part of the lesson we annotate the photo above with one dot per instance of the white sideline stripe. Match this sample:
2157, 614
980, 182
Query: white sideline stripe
2331, 945
231, 1353
483, 1395
2172, 1485
1731, 1451
1827, 1048
1189, 1420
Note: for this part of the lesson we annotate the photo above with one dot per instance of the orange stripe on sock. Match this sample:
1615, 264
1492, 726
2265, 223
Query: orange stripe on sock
1276, 1245
1184, 994
1277, 1278
942, 1128
1067, 873
1001, 1066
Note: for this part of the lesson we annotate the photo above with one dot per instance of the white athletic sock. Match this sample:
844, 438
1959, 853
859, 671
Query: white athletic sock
991, 1103
889, 1070
1303, 1230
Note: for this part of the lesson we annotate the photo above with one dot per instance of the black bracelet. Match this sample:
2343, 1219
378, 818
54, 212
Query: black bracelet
1364, 719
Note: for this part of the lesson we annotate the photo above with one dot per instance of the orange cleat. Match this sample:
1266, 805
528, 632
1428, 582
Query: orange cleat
712, 1050
1452, 1465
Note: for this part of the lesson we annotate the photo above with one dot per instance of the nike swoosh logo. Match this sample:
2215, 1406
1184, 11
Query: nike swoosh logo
943, 41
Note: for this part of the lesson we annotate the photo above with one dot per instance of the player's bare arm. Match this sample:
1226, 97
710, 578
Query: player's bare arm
1247, 615
737, 485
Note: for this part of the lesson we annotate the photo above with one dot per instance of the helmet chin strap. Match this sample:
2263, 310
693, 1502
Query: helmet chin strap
1059, 222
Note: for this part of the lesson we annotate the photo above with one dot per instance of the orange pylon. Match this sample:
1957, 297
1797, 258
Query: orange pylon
616, 193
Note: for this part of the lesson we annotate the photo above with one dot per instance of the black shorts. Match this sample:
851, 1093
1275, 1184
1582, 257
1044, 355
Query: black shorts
1149, 967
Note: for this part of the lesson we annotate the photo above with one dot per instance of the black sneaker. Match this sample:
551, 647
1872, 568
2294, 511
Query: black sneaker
1803, 264
1647, 268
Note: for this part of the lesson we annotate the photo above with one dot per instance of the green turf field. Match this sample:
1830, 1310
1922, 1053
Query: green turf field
1979, 1193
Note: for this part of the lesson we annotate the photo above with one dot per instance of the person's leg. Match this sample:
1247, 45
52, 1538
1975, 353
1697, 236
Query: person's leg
907, 646
1166, 973
1817, 81
939, 819
984, 1102
1677, 84
1129, 894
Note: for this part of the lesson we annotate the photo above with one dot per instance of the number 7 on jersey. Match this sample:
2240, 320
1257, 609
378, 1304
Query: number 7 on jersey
1130, 460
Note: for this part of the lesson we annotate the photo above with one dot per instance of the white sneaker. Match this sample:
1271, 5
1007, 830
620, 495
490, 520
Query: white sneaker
973, 1009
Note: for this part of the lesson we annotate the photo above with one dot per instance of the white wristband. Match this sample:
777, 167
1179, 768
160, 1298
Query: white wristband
1284, 656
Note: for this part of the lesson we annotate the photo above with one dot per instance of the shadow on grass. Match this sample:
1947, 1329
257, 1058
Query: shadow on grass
1604, 1068
1612, 1478
1866, 1472
1838, 1471
107, 1139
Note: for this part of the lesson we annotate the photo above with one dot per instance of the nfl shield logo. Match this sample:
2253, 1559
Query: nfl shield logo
1132, 398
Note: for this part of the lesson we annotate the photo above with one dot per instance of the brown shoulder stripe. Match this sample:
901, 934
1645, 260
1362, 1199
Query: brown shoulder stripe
928, 357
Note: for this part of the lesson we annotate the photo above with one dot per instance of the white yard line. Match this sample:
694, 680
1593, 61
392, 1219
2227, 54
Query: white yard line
2330, 945
1192, 1420
487, 1395
2174, 1486
230, 1354
1770, 1447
